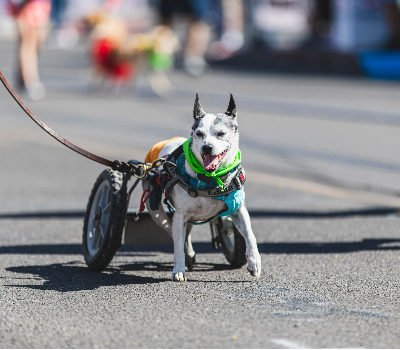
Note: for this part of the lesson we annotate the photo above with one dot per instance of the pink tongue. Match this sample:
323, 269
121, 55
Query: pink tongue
210, 162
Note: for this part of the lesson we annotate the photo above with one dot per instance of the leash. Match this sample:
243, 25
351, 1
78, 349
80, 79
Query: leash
140, 170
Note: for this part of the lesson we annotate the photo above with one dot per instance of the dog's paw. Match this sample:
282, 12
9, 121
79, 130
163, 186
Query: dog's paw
254, 263
179, 277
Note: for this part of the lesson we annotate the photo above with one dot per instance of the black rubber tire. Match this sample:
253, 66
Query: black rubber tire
113, 236
236, 256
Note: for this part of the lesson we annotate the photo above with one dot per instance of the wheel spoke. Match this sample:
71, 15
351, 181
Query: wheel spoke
229, 238
99, 218
104, 222
107, 208
104, 218
96, 239
102, 231
104, 197
99, 242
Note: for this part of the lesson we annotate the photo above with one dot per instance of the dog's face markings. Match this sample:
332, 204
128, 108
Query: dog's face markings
215, 137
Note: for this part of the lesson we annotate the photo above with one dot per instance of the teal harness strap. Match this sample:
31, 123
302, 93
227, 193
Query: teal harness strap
233, 200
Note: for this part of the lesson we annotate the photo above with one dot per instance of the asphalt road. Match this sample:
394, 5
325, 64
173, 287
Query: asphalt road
323, 165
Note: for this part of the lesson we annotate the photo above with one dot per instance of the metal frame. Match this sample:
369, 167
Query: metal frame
140, 229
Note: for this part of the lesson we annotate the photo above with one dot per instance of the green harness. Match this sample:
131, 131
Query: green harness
194, 164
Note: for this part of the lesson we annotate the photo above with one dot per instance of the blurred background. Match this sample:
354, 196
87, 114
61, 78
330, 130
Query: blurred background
354, 37
315, 82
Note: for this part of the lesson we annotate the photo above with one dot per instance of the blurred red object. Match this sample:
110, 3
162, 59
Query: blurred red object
102, 56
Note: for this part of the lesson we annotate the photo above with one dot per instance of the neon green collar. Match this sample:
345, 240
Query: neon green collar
194, 164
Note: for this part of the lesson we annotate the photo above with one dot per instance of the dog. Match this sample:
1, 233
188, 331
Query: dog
214, 144
117, 55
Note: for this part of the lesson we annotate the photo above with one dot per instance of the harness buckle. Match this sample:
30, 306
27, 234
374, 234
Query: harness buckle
240, 178
170, 168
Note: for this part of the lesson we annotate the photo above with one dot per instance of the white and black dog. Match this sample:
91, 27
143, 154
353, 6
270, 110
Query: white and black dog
215, 144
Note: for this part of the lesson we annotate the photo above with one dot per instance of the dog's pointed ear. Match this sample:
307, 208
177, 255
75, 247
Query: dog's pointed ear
198, 111
231, 111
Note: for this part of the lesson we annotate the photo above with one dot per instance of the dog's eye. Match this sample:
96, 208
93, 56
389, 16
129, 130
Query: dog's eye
199, 134
221, 133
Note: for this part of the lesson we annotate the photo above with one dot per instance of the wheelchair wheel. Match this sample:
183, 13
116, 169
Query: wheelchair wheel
232, 242
105, 219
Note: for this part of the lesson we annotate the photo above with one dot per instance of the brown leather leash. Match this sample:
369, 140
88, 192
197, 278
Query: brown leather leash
115, 165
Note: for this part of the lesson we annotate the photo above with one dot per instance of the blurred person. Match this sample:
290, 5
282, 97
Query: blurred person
232, 38
32, 17
64, 34
198, 34
322, 17
57, 14
392, 14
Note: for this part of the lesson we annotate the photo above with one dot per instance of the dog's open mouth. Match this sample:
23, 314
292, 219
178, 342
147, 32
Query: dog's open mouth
211, 162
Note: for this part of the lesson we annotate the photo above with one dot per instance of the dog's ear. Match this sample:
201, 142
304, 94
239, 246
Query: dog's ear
231, 111
198, 111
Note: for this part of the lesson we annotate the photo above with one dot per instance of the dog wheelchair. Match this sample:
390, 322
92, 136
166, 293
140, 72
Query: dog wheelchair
108, 219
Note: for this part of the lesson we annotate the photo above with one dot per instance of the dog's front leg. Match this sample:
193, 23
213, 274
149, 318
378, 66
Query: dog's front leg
241, 220
178, 235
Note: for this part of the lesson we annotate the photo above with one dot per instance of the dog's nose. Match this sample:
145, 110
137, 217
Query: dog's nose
207, 149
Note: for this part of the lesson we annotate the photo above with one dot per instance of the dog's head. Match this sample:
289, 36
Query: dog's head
215, 137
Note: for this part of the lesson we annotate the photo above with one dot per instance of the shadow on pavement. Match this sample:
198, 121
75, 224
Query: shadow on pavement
71, 277
315, 247
255, 213
329, 247
298, 214
369, 244
76, 249
198, 267
59, 214
74, 276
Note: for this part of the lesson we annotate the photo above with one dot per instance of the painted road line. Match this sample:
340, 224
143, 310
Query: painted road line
288, 344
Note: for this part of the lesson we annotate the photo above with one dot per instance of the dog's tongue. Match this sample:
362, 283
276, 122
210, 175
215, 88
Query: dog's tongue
210, 162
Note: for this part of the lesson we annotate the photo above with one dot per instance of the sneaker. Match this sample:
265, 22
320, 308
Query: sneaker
36, 91
195, 65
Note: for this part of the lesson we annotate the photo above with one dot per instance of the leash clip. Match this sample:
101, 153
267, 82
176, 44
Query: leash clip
122, 167
146, 168
140, 170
